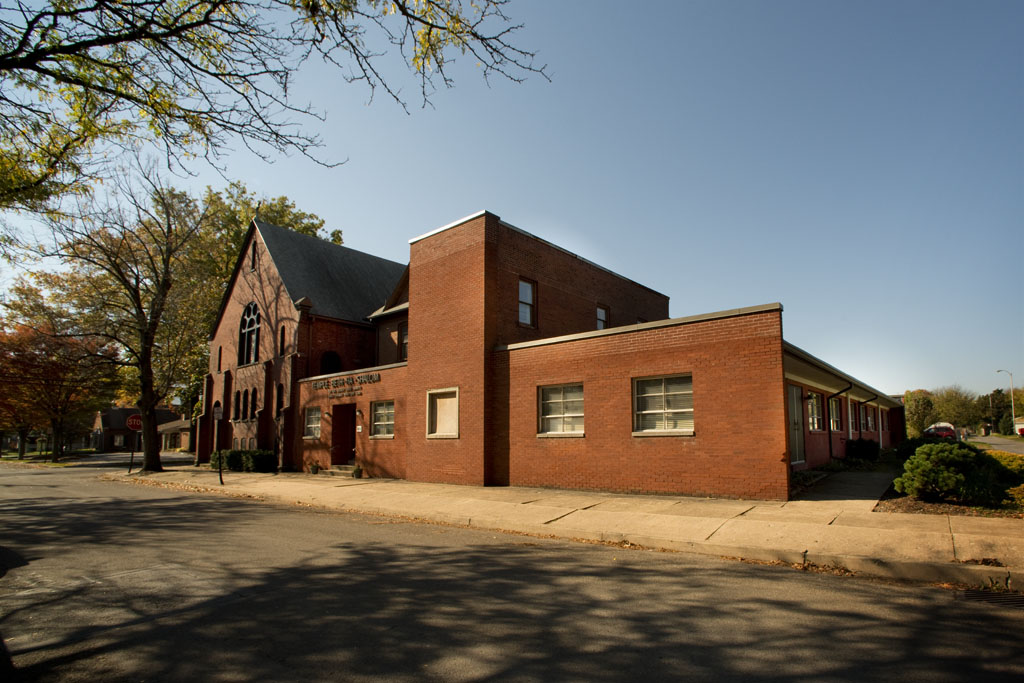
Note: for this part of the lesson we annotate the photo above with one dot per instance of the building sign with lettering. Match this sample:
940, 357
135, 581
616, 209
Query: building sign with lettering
344, 387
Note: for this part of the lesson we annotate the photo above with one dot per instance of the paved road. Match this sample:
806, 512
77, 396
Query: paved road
1001, 443
108, 582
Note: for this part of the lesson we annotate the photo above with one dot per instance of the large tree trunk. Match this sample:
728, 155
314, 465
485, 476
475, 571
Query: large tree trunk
22, 438
147, 410
58, 436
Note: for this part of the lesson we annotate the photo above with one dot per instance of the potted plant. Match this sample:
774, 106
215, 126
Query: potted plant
357, 472
314, 468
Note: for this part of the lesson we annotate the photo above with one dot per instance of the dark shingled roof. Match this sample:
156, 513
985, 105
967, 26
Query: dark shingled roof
341, 283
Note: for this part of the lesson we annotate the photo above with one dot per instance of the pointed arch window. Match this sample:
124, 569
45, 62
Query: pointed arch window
249, 335
253, 404
245, 404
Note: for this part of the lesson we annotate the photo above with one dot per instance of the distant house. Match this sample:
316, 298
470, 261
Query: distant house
177, 435
111, 434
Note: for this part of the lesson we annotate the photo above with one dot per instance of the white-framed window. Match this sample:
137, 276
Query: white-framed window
119, 440
561, 409
311, 430
443, 413
885, 420
835, 414
527, 302
871, 419
814, 421
663, 405
383, 415
602, 317
863, 417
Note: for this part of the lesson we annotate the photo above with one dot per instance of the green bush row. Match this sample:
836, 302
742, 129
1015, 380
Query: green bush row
961, 473
245, 461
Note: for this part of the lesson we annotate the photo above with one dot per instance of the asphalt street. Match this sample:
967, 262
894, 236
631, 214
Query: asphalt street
105, 581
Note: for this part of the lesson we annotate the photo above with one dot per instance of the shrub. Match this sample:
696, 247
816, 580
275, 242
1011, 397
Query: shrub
959, 472
862, 449
1016, 495
245, 461
259, 461
934, 472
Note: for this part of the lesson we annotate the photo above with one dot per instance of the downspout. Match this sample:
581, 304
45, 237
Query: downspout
828, 417
860, 423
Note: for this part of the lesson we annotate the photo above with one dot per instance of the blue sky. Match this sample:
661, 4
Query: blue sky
861, 162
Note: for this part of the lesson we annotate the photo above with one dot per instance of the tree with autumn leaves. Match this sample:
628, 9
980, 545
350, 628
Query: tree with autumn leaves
145, 270
53, 380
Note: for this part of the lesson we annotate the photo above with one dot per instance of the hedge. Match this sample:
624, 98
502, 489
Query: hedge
245, 461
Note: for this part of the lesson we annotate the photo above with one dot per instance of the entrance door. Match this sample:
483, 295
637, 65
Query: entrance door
796, 424
343, 434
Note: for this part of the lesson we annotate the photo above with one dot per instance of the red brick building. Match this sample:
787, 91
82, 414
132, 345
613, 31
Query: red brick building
497, 358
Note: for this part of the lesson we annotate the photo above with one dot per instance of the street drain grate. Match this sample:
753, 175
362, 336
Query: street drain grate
1014, 600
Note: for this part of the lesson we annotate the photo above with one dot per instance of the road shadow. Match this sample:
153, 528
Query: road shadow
510, 613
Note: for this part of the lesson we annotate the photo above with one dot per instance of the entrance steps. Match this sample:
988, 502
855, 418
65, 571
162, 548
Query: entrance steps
340, 471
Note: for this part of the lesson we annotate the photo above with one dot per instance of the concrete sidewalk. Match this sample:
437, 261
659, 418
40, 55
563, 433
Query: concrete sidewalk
831, 525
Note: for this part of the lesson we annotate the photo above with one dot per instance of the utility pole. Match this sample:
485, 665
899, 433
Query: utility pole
1013, 412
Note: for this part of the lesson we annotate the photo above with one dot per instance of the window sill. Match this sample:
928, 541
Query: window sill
442, 436
560, 435
310, 438
374, 437
666, 432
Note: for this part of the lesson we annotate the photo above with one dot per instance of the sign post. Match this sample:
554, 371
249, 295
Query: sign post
134, 423
218, 414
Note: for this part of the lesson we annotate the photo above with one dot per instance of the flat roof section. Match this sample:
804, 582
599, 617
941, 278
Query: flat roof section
624, 329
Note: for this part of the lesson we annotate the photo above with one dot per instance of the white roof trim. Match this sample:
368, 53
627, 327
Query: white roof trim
449, 226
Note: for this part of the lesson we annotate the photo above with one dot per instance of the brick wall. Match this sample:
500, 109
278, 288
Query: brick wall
380, 457
739, 446
447, 348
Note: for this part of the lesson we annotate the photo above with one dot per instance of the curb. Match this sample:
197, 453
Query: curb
862, 565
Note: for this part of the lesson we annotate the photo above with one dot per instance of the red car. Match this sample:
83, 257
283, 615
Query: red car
941, 433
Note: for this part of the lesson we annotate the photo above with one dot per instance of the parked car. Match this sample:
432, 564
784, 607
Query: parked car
941, 432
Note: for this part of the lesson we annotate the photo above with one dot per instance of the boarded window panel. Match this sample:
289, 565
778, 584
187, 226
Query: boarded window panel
444, 414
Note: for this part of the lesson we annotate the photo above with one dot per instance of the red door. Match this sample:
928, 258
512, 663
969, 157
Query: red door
343, 434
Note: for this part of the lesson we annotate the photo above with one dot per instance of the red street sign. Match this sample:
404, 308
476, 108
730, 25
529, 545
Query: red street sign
134, 422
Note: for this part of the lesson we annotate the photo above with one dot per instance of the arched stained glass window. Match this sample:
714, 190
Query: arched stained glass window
249, 335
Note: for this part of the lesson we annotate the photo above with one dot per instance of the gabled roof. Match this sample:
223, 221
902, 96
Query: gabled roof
341, 283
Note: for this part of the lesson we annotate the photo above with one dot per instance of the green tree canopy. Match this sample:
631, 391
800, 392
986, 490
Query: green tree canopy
919, 411
192, 75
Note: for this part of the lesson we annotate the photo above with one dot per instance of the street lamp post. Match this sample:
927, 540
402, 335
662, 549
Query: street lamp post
1013, 413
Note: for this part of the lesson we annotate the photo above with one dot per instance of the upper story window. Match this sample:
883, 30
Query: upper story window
220, 350
527, 303
663, 404
249, 335
602, 317
280, 343
403, 341
835, 414
814, 421
253, 404
252, 256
